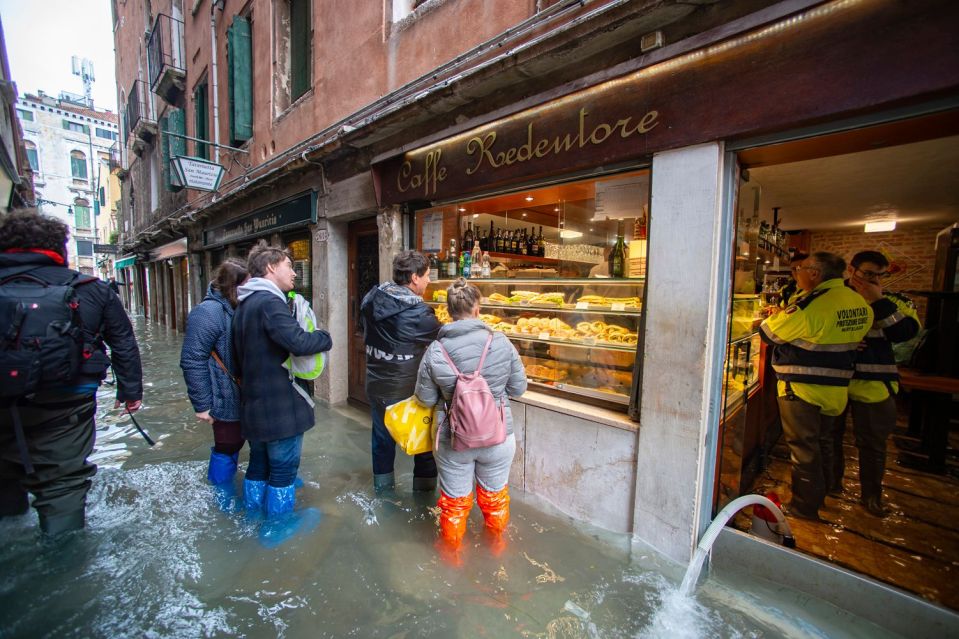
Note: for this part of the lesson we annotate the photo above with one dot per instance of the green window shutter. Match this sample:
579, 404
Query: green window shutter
200, 118
171, 146
33, 159
239, 53
81, 217
78, 168
301, 29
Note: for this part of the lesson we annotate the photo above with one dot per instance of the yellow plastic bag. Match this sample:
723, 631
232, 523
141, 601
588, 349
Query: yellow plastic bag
409, 423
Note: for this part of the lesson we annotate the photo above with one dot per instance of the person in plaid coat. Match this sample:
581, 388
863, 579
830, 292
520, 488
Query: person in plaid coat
273, 414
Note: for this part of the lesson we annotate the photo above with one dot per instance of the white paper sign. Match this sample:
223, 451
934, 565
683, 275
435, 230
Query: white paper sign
432, 238
194, 173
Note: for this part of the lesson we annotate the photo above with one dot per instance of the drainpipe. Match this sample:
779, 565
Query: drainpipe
216, 93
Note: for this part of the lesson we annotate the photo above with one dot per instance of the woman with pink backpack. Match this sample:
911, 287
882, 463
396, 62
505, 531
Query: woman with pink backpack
469, 373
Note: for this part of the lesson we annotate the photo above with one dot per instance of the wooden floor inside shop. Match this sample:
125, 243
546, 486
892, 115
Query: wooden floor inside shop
915, 547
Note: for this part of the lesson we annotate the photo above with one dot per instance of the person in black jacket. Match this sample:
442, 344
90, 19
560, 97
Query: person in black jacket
58, 419
274, 410
397, 327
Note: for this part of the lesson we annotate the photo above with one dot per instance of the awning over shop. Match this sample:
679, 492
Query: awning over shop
125, 261
173, 249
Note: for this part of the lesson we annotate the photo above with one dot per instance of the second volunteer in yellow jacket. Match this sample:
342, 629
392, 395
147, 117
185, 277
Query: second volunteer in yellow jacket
876, 380
814, 344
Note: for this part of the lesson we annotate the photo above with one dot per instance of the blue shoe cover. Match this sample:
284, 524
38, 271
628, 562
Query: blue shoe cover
281, 520
254, 494
222, 467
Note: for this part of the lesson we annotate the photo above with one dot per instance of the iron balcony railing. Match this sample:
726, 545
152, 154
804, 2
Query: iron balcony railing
139, 108
165, 49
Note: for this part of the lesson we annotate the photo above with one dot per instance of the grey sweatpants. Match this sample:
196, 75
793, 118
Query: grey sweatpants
459, 470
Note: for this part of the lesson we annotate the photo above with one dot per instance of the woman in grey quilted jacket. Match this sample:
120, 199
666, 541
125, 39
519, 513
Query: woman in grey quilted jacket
464, 340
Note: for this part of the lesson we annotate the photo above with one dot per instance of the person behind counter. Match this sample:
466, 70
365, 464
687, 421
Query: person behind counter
469, 344
876, 380
814, 344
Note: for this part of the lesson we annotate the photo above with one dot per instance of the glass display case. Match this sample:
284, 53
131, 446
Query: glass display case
742, 357
562, 274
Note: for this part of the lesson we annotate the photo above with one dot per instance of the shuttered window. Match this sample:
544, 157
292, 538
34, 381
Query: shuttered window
201, 117
172, 146
239, 51
301, 37
81, 216
78, 165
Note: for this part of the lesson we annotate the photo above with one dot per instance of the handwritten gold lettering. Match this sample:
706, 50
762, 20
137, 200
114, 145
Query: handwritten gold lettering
429, 178
482, 146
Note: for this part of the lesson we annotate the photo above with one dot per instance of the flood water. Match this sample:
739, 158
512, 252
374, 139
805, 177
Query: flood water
159, 559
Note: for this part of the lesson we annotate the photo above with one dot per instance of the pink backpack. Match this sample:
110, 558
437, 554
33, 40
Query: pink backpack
476, 420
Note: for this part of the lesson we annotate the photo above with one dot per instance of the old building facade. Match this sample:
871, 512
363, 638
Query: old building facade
351, 139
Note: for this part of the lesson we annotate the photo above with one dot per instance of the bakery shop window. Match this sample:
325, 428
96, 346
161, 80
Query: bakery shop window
562, 270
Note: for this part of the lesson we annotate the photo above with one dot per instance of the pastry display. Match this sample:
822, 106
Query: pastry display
569, 339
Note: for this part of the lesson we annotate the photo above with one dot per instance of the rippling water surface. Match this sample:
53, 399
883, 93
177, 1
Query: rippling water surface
159, 559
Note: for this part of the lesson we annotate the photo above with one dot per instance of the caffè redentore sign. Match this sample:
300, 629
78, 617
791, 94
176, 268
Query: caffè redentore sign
514, 147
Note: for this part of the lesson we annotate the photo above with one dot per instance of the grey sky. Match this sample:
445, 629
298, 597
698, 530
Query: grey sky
41, 36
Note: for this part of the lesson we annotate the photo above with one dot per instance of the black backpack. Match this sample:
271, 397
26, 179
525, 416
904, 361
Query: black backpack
42, 342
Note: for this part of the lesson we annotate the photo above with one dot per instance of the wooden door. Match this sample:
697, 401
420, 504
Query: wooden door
364, 260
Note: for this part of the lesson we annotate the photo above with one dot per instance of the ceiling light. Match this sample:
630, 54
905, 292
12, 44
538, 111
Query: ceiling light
475, 215
567, 234
529, 198
524, 215
880, 226
556, 209
462, 210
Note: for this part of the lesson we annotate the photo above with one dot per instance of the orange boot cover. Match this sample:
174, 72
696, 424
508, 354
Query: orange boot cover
495, 507
454, 511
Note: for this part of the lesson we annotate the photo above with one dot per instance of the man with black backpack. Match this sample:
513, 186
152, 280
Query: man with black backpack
54, 322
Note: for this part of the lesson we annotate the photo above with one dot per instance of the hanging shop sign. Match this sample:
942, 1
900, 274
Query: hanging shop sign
107, 249
299, 211
197, 174
739, 86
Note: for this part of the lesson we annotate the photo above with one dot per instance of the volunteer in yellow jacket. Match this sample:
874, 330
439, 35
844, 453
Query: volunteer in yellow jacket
876, 380
814, 349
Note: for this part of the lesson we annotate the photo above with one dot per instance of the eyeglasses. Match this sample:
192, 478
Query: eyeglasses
806, 268
872, 275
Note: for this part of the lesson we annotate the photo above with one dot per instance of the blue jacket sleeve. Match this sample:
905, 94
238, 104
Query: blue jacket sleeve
284, 330
203, 329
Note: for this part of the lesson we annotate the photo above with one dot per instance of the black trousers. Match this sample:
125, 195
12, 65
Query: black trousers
60, 432
808, 434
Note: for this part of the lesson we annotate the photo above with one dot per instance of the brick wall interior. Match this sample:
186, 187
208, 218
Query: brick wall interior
911, 248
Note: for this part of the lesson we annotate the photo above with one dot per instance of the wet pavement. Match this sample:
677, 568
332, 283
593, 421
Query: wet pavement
160, 559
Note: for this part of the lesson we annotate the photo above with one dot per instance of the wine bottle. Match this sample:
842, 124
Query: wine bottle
617, 258
434, 267
468, 236
484, 241
499, 241
521, 243
541, 244
451, 261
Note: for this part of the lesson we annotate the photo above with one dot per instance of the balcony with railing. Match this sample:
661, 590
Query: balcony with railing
165, 62
138, 117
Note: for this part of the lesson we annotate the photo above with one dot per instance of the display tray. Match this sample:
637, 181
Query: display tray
545, 339
595, 393
583, 307
593, 281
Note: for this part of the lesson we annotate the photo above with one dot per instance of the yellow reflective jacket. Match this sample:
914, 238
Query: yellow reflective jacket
814, 344
894, 320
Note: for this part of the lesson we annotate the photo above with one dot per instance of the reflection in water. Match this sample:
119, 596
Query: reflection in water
159, 559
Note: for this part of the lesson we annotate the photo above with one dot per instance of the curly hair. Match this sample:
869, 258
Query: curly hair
29, 229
